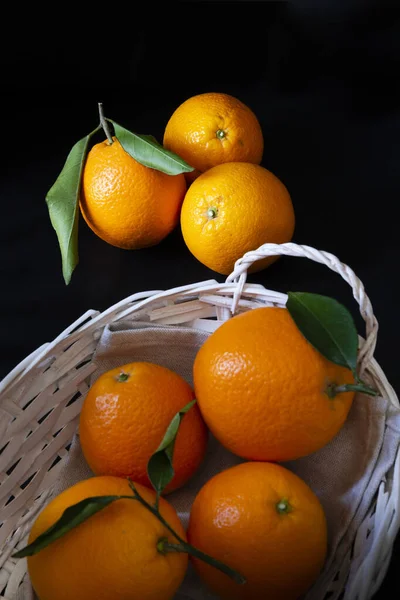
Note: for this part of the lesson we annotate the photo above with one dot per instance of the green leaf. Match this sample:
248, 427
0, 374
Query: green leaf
327, 325
146, 150
72, 517
63, 205
159, 467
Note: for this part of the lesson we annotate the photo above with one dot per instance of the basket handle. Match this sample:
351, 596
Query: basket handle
239, 276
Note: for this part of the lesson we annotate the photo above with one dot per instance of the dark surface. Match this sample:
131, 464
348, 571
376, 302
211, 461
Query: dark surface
323, 83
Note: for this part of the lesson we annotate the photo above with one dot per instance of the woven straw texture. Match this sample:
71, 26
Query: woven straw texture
40, 401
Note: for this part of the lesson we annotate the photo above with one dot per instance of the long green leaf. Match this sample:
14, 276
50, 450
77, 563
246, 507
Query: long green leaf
146, 150
72, 517
63, 205
159, 467
327, 325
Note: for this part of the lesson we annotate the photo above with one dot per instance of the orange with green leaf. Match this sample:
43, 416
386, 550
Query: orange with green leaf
128, 188
114, 430
276, 384
112, 556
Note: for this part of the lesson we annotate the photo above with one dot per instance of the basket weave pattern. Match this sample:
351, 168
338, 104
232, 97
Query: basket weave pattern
40, 402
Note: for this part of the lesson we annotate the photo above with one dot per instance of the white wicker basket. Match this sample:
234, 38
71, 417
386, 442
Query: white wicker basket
41, 398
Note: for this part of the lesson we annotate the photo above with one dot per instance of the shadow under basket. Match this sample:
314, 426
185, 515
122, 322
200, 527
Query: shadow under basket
40, 402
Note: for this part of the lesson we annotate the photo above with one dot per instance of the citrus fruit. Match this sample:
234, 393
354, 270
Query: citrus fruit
111, 556
264, 521
124, 418
213, 128
234, 208
126, 203
265, 392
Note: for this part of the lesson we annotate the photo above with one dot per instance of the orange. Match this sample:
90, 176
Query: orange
234, 208
111, 556
265, 391
126, 203
124, 418
213, 128
264, 521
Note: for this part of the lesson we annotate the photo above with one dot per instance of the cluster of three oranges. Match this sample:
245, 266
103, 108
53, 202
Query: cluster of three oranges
227, 205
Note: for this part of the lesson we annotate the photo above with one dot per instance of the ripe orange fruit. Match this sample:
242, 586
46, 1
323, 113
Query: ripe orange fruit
213, 128
125, 203
124, 418
264, 390
234, 208
264, 521
113, 555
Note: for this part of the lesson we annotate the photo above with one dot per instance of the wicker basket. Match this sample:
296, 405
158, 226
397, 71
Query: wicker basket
41, 398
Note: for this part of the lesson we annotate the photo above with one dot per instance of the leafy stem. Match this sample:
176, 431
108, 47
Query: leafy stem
104, 124
164, 546
153, 510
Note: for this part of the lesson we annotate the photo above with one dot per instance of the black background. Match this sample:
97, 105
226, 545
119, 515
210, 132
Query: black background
322, 79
